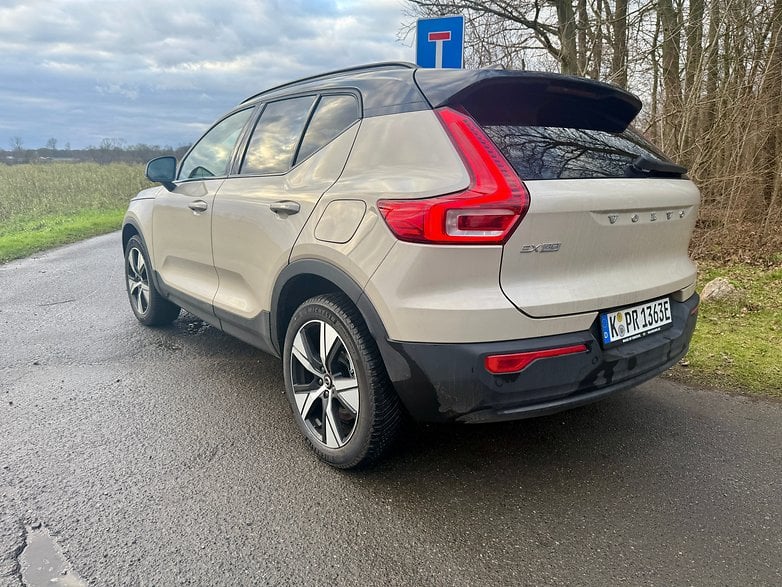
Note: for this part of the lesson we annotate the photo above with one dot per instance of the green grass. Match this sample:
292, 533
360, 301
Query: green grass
738, 343
51, 204
24, 237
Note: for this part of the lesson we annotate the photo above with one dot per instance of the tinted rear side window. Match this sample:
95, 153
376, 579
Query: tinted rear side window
548, 152
276, 135
333, 115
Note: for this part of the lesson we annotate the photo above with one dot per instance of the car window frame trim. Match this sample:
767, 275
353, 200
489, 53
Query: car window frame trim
312, 115
235, 171
348, 91
239, 141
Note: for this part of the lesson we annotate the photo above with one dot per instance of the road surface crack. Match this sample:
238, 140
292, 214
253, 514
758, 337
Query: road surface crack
10, 566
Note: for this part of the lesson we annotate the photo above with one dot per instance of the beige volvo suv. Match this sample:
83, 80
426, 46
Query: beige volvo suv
453, 245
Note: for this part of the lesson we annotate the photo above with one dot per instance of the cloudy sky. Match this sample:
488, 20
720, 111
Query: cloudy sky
158, 72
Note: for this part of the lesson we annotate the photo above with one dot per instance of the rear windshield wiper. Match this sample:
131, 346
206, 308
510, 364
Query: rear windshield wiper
646, 166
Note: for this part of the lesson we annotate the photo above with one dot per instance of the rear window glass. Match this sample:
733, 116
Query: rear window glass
333, 115
276, 135
548, 152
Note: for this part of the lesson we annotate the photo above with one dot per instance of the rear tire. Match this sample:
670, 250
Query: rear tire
337, 385
150, 308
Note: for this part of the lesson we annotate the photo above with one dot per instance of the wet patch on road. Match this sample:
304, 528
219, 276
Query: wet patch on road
42, 561
197, 326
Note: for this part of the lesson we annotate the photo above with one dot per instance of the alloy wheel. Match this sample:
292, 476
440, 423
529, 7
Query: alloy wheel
324, 384
138, 280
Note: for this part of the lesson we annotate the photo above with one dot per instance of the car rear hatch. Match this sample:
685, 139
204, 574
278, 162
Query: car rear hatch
610, 218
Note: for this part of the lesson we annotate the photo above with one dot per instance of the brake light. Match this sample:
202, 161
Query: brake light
487, 212
515, 362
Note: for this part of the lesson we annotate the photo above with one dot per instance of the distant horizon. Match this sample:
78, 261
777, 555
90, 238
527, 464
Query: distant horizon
84, 71
123, 147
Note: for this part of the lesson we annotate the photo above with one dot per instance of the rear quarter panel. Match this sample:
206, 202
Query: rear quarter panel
394, 156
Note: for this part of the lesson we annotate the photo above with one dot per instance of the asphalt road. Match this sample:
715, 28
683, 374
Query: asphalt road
164, 457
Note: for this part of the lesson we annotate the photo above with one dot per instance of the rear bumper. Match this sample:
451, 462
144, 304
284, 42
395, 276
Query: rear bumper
444, 382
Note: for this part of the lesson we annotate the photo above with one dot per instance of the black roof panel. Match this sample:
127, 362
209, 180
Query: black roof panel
389, 88
386, 88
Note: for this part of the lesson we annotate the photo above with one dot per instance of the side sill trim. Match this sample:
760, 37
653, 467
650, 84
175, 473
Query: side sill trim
254, 331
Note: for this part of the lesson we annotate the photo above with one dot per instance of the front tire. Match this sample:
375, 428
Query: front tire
150, 308
337, 385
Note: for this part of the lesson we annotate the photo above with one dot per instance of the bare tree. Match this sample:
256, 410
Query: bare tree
112, 144
709, 72
552, 30
772, 83
618, 73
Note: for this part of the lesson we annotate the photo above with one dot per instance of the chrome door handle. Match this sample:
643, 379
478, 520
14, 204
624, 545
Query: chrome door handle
286, 207
198, 206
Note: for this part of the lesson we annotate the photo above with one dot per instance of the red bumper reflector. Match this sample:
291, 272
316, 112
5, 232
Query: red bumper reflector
499, 364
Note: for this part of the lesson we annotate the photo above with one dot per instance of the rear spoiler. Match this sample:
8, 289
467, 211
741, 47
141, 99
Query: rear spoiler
497, 97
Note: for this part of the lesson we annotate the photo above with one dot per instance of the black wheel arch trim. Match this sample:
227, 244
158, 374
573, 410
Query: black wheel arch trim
140, 235
132, 223
397, 366
340, 279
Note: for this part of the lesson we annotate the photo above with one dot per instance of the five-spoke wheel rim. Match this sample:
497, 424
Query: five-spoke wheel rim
324, 383
138, 280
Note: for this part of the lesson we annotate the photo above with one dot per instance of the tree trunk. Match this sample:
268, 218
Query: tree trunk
692, 69
712, 68
694, 44
568, 52
597, 41
618, 73
672, 89
581, 46
654, 127
773, 89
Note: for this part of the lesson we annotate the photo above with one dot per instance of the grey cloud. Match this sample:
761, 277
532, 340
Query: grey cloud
159, 72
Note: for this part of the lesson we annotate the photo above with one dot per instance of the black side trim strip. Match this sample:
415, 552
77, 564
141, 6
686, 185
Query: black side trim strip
195, 306
254, 331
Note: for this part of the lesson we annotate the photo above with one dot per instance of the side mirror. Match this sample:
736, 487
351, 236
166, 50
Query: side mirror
162, 170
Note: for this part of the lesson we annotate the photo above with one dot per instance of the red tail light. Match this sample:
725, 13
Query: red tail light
487, 212
513, 363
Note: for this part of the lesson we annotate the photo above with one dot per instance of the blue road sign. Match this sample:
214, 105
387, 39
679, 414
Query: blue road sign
440, 42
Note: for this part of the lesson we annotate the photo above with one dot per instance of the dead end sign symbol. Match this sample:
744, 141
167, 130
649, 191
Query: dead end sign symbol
438, 38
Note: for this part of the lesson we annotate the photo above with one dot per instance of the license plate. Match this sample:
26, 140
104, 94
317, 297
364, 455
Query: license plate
632, 323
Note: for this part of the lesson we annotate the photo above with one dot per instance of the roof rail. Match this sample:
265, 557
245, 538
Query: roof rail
355, 68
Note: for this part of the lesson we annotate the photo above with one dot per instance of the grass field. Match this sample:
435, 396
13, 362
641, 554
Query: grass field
51, 204
738, 343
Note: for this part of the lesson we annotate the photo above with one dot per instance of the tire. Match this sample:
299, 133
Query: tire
150, 308
348, 411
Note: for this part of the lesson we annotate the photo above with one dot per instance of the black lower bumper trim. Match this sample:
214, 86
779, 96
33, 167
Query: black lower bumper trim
445, 382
